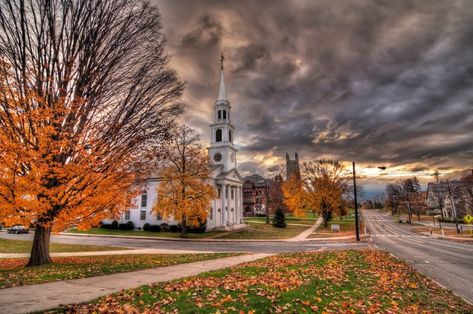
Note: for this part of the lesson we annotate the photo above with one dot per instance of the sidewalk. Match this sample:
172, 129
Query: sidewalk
49, 295
98, 253
306, 233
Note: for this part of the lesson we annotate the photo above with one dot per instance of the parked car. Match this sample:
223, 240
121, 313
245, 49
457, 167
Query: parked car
18, 229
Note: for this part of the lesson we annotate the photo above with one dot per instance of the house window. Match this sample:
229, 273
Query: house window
224, 114
218, 135
158, 217
230, 136
220, 114
127, 215
232, 194
144, 199
226, 193
219, 192
211, 213
143, 215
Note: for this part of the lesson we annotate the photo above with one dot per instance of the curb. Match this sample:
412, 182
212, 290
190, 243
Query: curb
321, 240
169, 239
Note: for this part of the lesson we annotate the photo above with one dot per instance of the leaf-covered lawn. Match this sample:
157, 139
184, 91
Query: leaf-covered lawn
24, 246
13, 273
321, 282
264, 231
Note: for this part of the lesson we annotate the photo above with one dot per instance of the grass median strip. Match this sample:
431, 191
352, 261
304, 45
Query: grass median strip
323, 282
13, 273
24, 246
264, 231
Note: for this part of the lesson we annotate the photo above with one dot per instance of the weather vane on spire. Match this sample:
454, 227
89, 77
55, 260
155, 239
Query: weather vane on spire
222, 58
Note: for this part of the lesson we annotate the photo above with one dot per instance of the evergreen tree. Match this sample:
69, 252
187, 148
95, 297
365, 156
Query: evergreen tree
279, 220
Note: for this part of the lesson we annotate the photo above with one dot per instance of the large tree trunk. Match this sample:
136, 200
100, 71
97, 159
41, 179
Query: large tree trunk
325, 216
40, 250
184, 228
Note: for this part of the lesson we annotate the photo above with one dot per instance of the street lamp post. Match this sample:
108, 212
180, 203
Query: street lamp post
357, 225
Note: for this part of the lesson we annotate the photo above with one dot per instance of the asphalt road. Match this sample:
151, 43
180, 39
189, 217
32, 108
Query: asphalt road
447, 262
250, 247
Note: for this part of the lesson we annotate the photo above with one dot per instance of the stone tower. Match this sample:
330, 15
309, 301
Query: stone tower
292, 167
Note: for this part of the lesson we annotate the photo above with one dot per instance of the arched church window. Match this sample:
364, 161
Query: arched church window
218, 135
224, 114
220, 114
230, 135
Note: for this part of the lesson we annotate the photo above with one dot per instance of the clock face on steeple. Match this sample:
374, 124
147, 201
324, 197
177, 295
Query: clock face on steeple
217, 157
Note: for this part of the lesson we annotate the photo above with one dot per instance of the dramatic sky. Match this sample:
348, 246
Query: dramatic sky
384, 83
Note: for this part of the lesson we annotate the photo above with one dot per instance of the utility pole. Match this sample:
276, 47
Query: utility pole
409, 209
357, 227
453, 207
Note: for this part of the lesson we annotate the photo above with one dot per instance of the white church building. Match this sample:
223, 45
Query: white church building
226, 211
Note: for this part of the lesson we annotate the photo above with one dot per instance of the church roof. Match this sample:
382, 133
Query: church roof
254, 178
228, 175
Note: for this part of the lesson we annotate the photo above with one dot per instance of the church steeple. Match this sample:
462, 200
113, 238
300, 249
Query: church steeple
221, 90
222, 150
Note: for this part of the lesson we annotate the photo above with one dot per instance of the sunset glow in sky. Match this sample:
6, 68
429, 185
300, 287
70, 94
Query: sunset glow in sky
384, 83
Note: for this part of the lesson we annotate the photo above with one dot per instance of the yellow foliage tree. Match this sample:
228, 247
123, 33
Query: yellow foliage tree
183, 193
325, 186
294, 196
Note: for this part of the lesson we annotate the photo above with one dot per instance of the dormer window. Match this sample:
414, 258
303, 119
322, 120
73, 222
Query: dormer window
218, 135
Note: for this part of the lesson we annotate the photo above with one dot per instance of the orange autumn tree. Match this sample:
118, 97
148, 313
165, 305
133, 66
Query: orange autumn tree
294, 196
326, 186
86, 100
183, 193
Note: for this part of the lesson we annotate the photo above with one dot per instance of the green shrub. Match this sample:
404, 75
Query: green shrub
146, 227
175, 228
200, 229
164, 227
154, 228
279, 219
126, 226
114, 225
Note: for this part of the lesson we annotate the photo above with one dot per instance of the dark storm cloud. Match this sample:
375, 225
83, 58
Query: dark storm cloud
375, 81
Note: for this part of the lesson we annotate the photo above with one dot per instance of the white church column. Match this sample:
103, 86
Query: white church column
241, 204
234, 205
224, 204
237, 206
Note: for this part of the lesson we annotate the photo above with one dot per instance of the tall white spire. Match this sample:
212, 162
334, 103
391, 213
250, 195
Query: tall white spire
221, 90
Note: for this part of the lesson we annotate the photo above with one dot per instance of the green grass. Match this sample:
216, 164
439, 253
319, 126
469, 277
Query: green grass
24, 246
13, 273
330, 281
309, 220
264, 231
136, 233
347, 228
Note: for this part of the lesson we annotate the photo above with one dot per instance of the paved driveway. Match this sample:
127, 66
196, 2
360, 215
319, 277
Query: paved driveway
449, 263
